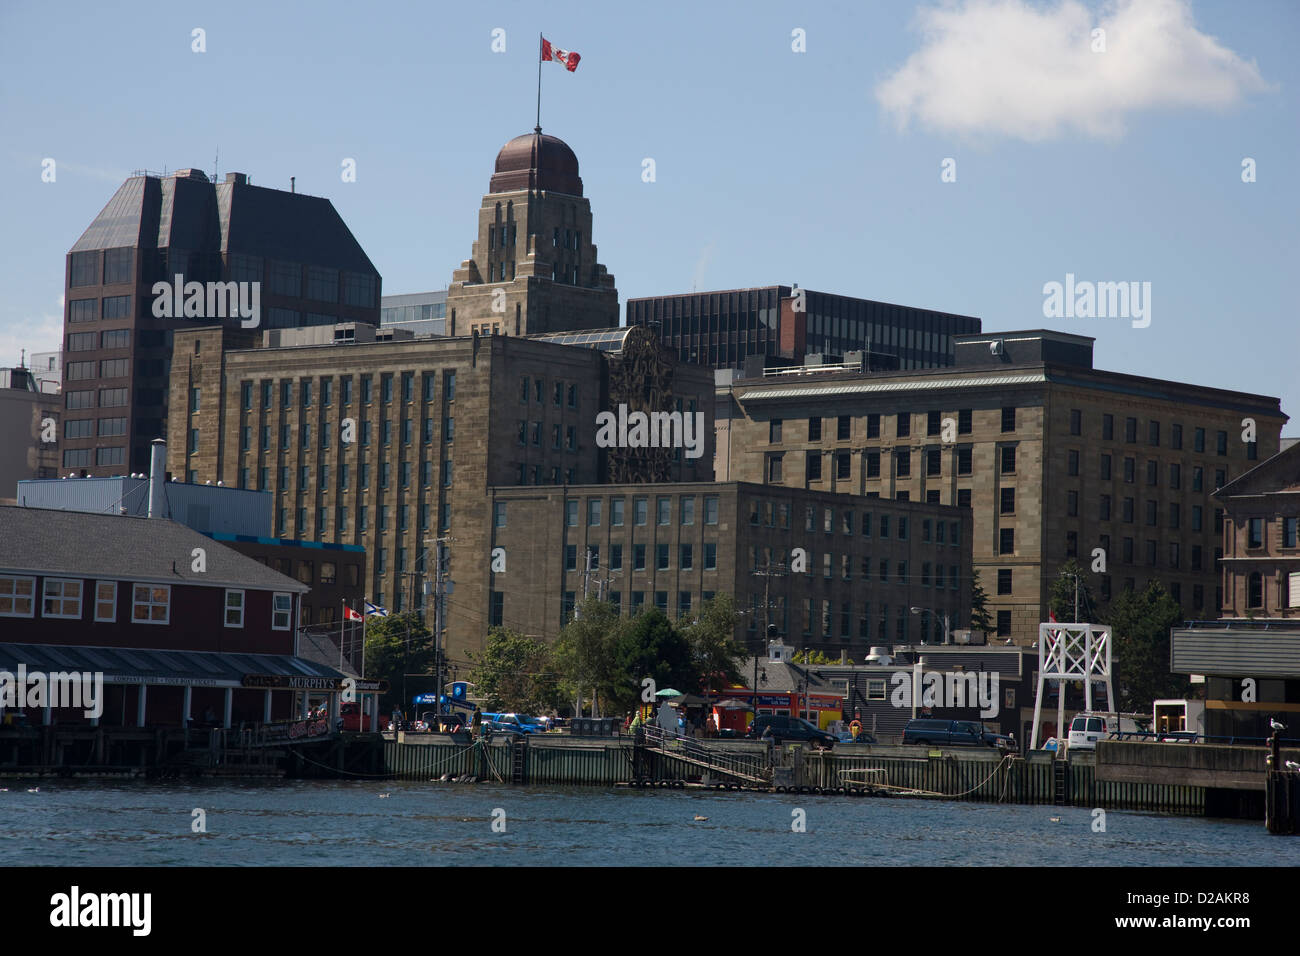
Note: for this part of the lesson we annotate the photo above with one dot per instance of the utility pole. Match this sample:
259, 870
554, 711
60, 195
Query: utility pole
767, 573
439, 613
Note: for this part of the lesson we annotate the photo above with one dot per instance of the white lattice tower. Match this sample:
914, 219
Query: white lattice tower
1070, 652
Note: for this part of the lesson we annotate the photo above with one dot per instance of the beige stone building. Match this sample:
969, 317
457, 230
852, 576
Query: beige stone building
389, 445
866, 564
1056, 459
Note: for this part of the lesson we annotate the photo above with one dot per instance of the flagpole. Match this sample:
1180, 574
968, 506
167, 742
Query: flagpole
539, 82
364, 616
343, 634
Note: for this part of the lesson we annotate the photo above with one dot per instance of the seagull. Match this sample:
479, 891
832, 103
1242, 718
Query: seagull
1273, 722
1292, 765
698, 817
33, 789
1054, 819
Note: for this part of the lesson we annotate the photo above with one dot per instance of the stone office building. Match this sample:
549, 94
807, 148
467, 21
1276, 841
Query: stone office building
1055, 458
1258, 636
868, 563
391, 444
310, 271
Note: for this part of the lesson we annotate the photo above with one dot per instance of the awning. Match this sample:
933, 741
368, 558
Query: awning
134, 665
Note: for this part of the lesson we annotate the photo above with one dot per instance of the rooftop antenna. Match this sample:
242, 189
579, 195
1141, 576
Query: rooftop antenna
216, 164
292, 180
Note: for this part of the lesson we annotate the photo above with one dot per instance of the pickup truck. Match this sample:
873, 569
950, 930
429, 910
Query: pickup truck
511, 724
928, 731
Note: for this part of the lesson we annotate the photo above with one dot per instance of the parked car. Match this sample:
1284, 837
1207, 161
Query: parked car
1087, 729
511, 724
789, 728
928, 731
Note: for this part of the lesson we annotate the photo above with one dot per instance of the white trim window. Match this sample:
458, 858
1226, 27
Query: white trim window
234, 612
876, 690
281, 611
17, 596
151, 604
106, 601
61, 597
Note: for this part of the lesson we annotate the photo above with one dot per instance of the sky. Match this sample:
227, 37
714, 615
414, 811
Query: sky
959, 155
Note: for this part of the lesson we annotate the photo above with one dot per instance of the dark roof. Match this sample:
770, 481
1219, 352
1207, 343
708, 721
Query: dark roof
606, 340
120, 547
231, 217
1272, 474
221, 668
536, 161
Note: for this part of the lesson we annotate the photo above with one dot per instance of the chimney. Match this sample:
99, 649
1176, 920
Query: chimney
157, 475
239, 179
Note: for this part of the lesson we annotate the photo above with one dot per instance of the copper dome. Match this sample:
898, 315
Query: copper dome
536, 161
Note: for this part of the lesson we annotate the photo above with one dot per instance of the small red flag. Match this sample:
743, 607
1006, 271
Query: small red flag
1051, 616
567, 57
350, 615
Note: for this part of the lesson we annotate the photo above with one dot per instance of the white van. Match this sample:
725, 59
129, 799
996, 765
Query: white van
1087, 729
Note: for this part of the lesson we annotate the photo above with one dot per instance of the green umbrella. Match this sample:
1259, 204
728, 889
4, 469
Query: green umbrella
669, 692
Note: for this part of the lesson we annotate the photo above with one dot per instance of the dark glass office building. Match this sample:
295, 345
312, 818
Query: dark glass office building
786, 325
296, 249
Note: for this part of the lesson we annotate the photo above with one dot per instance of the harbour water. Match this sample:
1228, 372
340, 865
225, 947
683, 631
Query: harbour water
306, 823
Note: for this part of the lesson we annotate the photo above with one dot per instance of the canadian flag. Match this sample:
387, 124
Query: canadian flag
351, 615
1051, 616
567, 57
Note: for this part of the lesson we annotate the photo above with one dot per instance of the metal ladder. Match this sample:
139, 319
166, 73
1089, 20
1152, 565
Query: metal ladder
1058, 783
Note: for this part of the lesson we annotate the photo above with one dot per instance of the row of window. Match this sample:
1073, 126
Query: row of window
1151, 509
364, 437
685, 557
1153, 434
324, 476
306, 390
108, 398
384, 522
107, 368
931, 575
901, 458
570, 443
85, 427
902, 425
81, 457
640, 511
1288, 531
63, 598
1285, 590
561, 393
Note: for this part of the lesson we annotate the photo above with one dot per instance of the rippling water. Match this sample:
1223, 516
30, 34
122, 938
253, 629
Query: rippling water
300, 823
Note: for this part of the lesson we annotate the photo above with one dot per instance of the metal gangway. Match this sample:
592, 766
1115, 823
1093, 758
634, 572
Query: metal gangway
687, 750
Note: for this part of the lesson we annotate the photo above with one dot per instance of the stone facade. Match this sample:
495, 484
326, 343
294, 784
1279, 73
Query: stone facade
1056, 459
868, 562
1261, 540
435, 425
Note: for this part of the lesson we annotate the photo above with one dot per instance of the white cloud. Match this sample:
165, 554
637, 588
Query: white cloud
43, 333
1004, 67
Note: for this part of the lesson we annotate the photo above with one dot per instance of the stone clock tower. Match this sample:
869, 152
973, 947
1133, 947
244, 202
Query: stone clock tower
533, 267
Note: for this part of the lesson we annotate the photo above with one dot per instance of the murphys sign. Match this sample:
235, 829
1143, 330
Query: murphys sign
296, 682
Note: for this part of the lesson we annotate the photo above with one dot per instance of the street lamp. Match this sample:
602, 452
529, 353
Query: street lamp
926, 610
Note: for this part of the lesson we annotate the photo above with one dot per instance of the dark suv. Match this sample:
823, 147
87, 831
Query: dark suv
927, 731
789, 728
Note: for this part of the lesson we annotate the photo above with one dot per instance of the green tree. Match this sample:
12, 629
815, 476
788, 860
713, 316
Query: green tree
712, 639
584, 652
651, 647
1140, 625
1061, 598
979, 605
397, 645
815, 657
516, 673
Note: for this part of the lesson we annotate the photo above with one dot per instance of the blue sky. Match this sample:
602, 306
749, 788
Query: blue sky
772, 166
